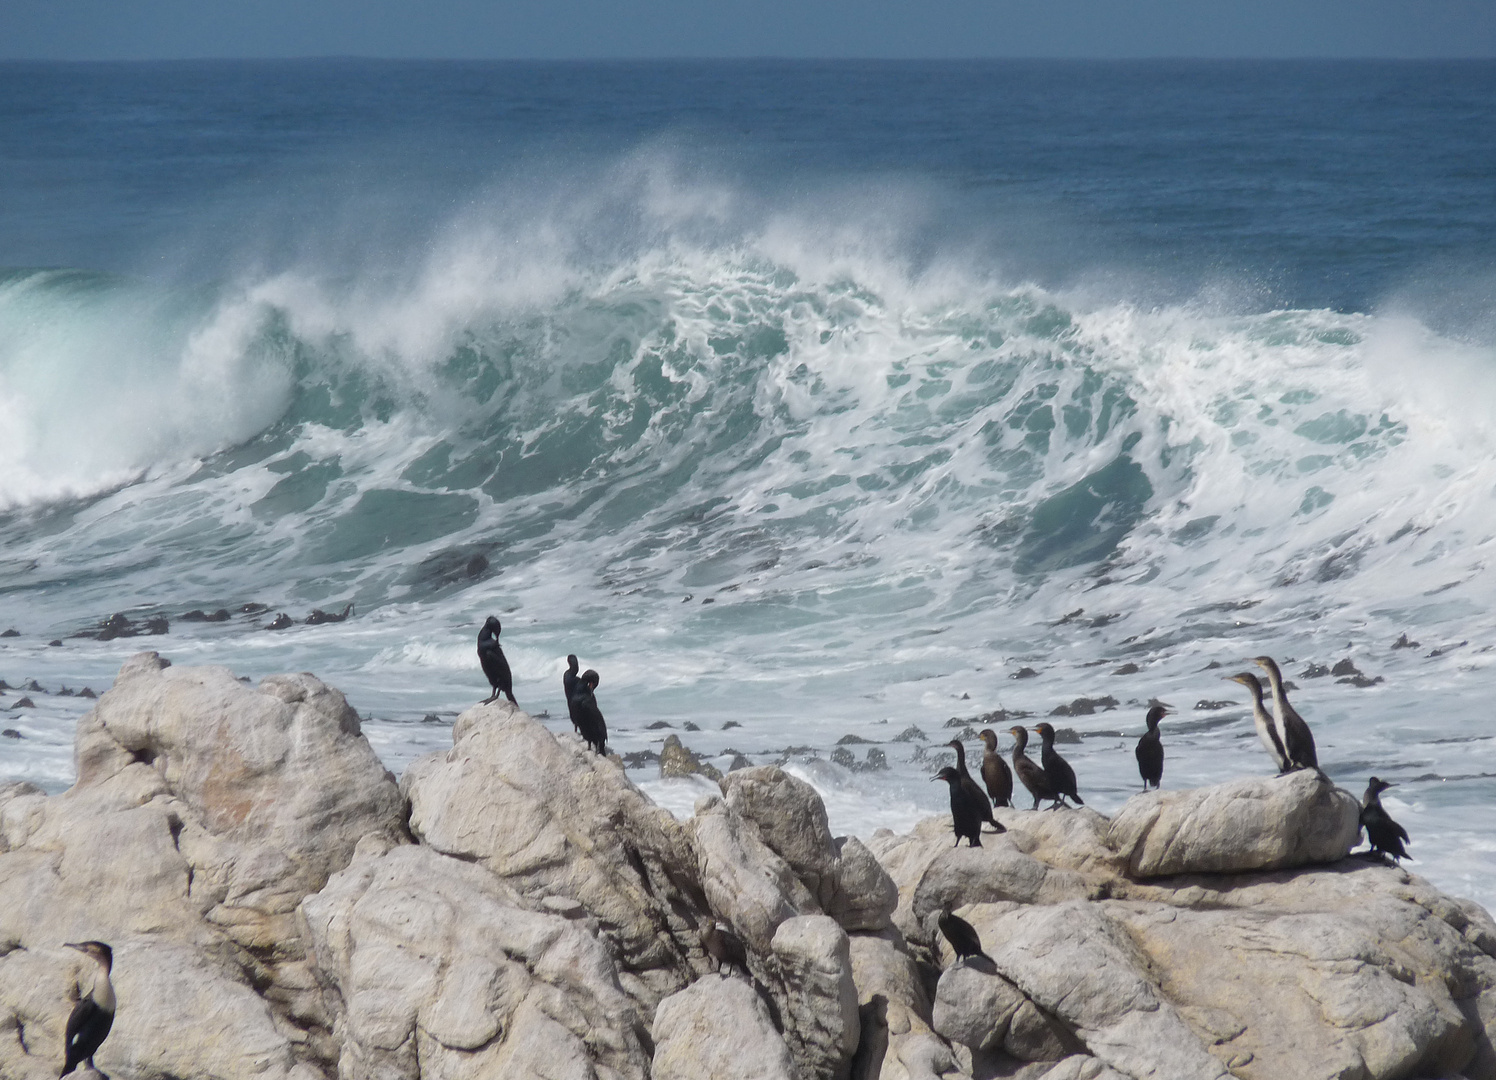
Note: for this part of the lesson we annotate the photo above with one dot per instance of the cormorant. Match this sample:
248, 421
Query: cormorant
491, 656
1032, 776
961, 934
1267, 731
568, 687
995, 772
1298, 740
723, 946
1150, 750
973, 792
1061, 775
1385, 836
966, 813
93, 1016
585, 713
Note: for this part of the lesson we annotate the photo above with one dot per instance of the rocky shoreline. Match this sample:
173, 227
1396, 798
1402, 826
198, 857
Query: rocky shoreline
281, 907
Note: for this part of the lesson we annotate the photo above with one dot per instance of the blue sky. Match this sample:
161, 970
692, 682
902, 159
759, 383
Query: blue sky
173, 29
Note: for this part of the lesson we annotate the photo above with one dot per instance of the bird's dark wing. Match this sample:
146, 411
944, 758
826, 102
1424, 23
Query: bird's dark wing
87, 1027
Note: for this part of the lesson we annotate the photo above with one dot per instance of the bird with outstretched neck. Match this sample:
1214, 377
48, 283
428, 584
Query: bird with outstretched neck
1061, 775
974, 794
585, 713
1385, 836
1267, 731
1030, 775
569, 686
1150, 751
995, 772
961, 934
495, 666
93, 1016
1297, 739
966, 814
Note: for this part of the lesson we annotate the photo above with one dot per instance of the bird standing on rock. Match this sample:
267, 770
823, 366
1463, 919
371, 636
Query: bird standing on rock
1297, 739
585, 713
1150, 751
723, 946
1267, 731
973, 793
495, 666
1061, 775
1384, 835
961, 934
93, 1016
995, 772
568, 687
1030, 775
966, 812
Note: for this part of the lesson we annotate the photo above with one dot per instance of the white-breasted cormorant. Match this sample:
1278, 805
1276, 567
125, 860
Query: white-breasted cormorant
93, 1016
961, 934
723, 946
1267, 731
1150, 750
495, 666
568, 687
585, 713
973, 792
1385, 836
1061, 775
966, 812
1298, 740
1031, 775
995, 772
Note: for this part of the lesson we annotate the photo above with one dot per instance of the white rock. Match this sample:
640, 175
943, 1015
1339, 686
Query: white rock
812, 982
1256, 823
444, 973
718, 1027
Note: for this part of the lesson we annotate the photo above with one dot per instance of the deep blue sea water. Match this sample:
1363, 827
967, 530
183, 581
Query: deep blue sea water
801, 400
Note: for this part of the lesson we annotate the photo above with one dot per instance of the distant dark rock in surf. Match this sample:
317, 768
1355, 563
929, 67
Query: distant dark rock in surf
1345, 667
87, 693
318, 616
12, 632
730, 725
24, 703
852, 740
1127, 669
1403, 643
1210, 706
253, 609
198, 615
54, 643
35, 687
12, 733
911, 734
1084, 706
1024, 673
1314, 671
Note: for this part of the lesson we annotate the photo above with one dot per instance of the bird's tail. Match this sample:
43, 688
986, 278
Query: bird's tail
1078, 800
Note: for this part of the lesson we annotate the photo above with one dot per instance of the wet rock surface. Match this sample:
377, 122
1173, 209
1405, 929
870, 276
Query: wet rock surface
516, 907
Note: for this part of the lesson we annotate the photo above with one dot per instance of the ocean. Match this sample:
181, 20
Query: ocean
827, 410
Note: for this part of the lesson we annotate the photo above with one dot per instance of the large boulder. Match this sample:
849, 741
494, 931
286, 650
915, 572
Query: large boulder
845, 879
204, 811
811, 980
1256, 823
555, 821
745, 882
718, 1027
444, 971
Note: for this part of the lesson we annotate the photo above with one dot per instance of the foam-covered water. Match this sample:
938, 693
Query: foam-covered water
781, 472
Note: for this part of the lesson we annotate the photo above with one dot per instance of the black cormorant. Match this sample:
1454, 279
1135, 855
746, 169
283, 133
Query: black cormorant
93, 1016
961, 934
491, 656
1061, 775
585, 713
1267, 731
1032, 776
568, 687
1150, 750
973, 792
966, 813
723, 946
1298, 740
995, 772
1385, 836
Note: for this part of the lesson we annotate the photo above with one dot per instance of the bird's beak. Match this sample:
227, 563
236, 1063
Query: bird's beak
934, 778
73, 945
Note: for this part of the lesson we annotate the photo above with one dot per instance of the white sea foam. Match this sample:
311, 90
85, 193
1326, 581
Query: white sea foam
892, 486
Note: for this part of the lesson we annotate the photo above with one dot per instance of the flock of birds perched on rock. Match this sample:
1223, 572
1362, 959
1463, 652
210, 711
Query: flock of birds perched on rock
1284, 735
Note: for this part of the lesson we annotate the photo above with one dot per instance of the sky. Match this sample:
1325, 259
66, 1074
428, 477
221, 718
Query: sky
589, 29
